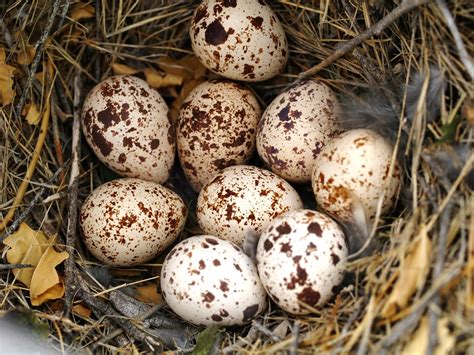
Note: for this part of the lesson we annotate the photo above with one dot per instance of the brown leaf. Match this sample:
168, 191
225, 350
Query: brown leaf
25, 57
33, 116
82, 11
148, 294
157, 80
188, 67
122, 69
6, 80
413, 270
28, 246
82, 310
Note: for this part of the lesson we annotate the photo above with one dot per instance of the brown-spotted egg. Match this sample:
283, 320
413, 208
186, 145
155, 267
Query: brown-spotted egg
239, 39
127, 124
206, 280
295, 127
242, 199
129, 221
216, 128
301, 259
354, 170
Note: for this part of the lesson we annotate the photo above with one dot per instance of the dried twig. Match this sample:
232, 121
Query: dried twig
39, 46
14, 266
31, 167
404, 7
463, 54
72, 198
265, 331
438, 269
34, 202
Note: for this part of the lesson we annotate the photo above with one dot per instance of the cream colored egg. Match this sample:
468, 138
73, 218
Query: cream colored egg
353, 170
216, 128
239, 39
243, 199
128, 221
206, 280
301, 259
295, 127
127, 124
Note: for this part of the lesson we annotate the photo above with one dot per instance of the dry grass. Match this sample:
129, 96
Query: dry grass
415, 290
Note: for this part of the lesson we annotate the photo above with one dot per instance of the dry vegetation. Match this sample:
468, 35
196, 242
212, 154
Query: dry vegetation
413, 292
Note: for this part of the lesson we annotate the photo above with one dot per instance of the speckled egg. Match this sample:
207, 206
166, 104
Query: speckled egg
239, 39
127, 124
206, 280
129, 221
301, 259
242, 199
216, 128
353, 170
295, 127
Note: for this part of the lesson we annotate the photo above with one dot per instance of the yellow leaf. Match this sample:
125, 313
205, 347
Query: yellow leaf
33, 116
6, 80
28, 246
148, 294
413, 270
122, 69
157, 80
82, 11
188, 67
419, 342
82, 310
45, 283
25, 57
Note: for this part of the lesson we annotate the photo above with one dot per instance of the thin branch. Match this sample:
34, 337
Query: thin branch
463, 54
376, 30
39, 46
14, 266
72, 198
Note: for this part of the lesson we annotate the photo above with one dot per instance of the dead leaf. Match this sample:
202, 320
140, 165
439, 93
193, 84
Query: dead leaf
419, 342
82, 11
413, 270
122, 69
82, 310
158, 80
25, 57
188, 67
33, 116
28, 246
148, 294
6, 80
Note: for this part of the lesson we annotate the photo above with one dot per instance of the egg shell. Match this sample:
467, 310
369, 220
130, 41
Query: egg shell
129, 221
216, 128
206, 280
127, 124
301, 259
242, 199
295, 127
239, 39
353, 170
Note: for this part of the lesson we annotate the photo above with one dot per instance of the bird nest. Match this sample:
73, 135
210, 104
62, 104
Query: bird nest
409, 289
